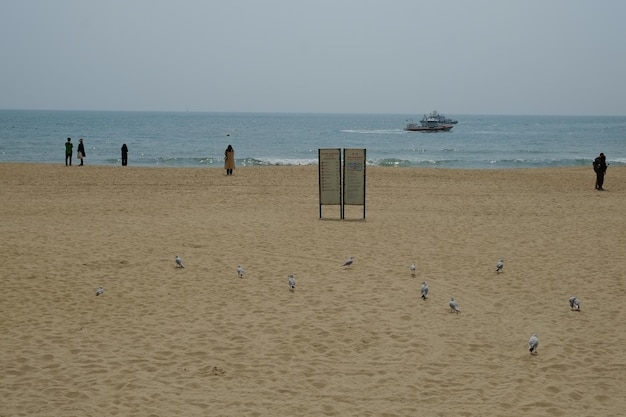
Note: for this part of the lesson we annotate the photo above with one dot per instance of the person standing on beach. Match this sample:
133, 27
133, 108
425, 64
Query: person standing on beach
68, 151
124, 155
229, 160
599, 166
81, 151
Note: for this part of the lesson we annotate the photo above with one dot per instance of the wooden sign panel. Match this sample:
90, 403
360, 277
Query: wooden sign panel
330, 176
354, 177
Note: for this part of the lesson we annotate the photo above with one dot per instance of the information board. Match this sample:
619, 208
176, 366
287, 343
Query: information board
354, 177
330, 176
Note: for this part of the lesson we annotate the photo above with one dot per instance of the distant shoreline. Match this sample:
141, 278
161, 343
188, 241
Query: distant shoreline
315, 166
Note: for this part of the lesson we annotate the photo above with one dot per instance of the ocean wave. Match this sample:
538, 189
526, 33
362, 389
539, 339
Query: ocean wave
478, 163
275, 162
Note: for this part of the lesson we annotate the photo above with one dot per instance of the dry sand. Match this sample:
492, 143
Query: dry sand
199, 341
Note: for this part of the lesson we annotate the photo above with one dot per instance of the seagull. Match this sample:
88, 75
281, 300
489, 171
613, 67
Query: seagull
179, 262
454, 306
499, 266
292, 282
349, 261
412, 268
99, 291
240, 271
574, 303
424, 290
533, 343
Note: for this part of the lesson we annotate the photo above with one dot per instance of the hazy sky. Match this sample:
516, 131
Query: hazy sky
556, 57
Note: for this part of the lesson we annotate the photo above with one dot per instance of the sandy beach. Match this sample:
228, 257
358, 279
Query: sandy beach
359, 341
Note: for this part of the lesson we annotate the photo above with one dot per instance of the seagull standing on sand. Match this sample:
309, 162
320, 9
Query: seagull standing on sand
574, 303
240, 271
292, 282
179, 262
454, 306
424, 290
99, 291
533, 343
348, 262
499, 266
412, 268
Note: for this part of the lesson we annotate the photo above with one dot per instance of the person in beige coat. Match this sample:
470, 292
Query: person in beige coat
229, 160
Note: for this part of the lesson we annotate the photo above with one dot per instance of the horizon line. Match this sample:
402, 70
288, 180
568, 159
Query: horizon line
312, 112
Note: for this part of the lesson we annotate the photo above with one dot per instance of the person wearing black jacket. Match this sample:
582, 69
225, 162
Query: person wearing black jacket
124, 155
81, 151
599, 166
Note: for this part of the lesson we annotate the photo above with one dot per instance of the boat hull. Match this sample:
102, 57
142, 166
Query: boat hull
416, 128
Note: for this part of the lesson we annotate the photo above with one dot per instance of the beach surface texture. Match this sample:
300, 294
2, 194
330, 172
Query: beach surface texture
162, 340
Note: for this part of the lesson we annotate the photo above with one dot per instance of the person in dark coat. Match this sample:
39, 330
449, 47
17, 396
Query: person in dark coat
68, 151
599, 167
81, 151
124, 155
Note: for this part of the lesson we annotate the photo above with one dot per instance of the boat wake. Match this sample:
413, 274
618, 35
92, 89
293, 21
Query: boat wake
375, 131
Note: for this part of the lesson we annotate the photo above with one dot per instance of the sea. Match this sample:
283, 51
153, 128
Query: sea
194, 139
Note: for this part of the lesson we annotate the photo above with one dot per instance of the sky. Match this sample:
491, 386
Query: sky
519, 57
